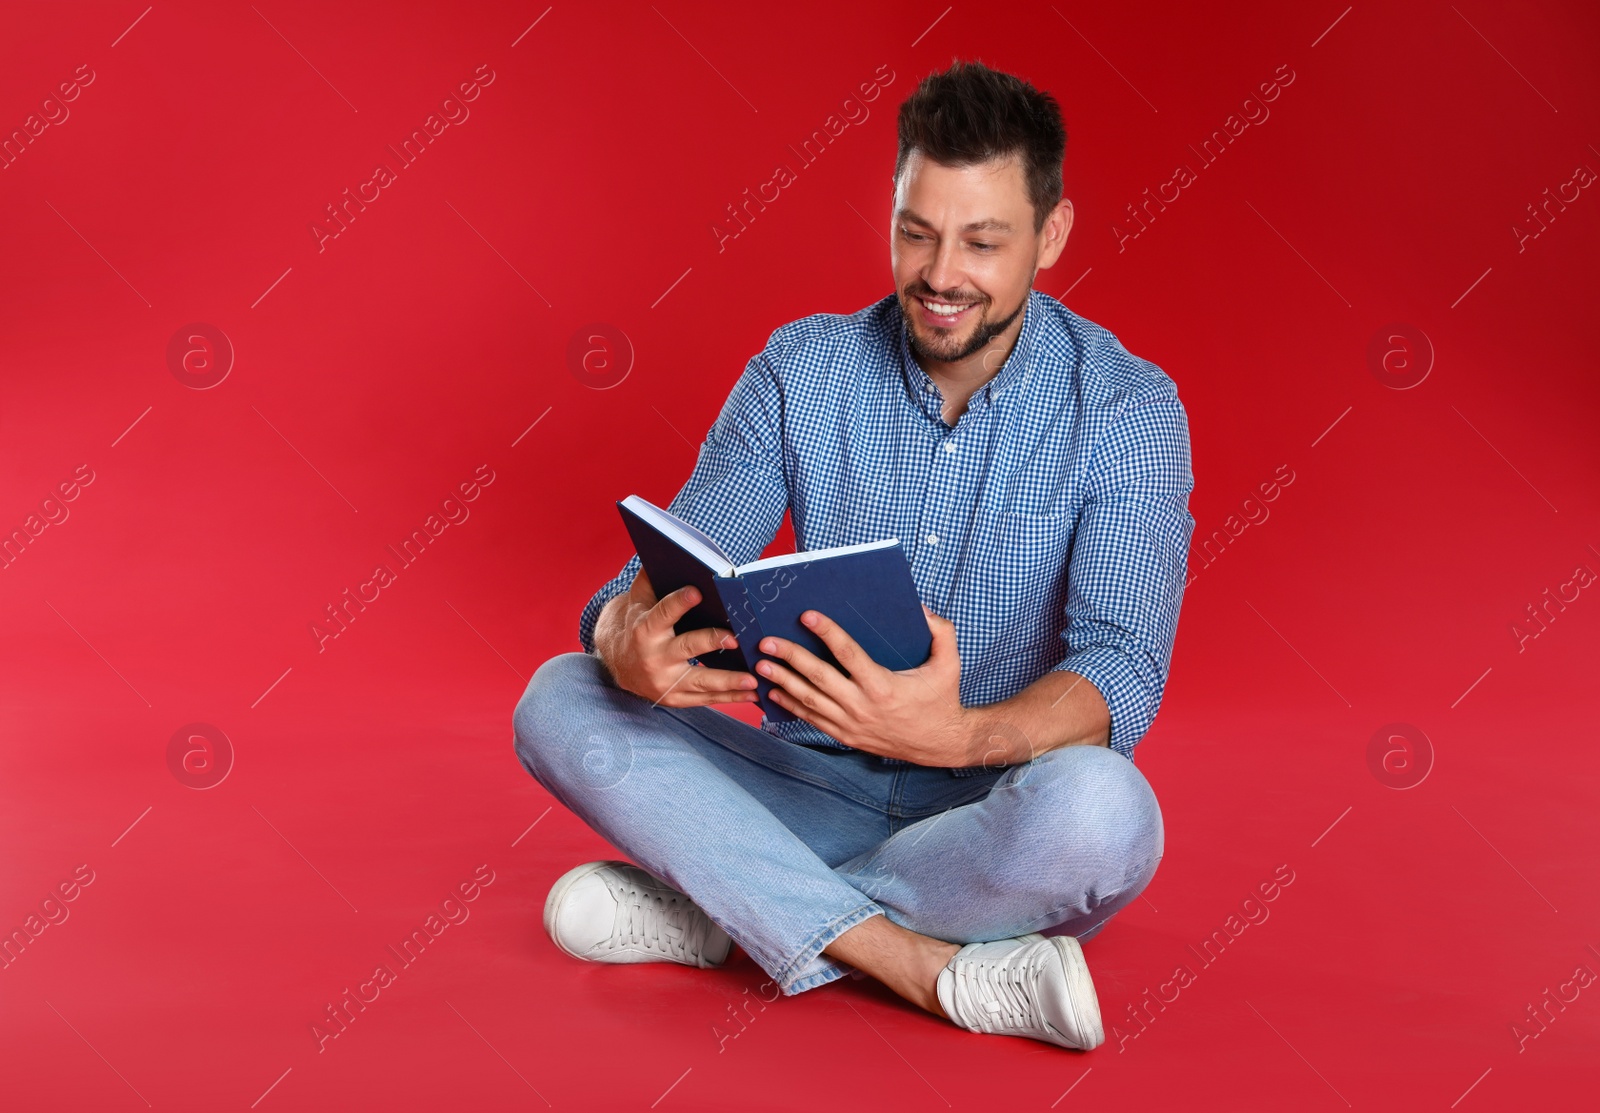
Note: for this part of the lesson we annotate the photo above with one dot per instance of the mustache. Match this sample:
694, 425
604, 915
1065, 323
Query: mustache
934, 296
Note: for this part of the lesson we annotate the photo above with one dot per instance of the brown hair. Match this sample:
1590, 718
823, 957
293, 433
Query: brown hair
970, 114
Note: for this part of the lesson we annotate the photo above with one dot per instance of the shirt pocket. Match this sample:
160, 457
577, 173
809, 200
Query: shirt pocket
1020, 577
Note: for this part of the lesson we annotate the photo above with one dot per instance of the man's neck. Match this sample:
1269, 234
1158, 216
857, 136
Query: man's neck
960, 380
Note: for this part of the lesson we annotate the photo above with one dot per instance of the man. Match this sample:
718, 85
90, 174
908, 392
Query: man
956, 829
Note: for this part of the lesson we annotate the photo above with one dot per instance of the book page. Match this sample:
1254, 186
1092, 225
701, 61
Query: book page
813, 554
690, 539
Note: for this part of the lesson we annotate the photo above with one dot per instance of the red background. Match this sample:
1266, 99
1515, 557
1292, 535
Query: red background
372, 377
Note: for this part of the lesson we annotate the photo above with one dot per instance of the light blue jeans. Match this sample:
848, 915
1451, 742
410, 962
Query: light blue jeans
786, 847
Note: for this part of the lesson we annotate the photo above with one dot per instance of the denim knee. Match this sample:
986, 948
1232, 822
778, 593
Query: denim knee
1098, 807
545, 713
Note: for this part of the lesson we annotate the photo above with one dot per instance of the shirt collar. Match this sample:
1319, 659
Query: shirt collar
998, 391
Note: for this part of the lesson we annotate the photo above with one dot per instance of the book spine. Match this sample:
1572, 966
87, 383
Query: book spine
739, 617
743, 620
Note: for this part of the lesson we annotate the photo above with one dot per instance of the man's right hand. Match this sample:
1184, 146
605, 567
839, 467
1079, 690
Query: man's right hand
634, 637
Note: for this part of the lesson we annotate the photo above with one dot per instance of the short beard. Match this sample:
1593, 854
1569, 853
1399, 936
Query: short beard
981, 336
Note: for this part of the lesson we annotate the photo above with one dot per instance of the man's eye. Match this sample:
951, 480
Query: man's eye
910, 235
984, 246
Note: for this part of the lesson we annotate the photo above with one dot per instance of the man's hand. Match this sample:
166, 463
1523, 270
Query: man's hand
915, 715
633, 636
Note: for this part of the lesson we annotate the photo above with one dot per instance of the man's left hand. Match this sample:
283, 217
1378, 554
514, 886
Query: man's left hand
915, 715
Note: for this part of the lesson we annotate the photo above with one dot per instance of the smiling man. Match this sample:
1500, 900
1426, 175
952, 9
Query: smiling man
957, 829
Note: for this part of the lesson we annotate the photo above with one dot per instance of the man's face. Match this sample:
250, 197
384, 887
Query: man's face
963, 237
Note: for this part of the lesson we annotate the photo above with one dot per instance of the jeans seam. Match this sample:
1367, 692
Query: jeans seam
812, 948
820, 978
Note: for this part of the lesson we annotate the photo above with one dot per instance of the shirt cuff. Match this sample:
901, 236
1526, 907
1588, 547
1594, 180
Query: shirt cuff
1121, 688
589, 617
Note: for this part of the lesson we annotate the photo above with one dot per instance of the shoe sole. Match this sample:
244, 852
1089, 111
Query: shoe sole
1081, 996
558, 894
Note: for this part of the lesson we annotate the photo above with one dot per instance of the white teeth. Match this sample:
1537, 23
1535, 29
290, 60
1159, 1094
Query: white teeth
943, 309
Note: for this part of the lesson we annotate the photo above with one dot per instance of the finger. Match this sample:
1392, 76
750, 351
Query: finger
687, 681
703, 679
641, 591
707, 640
685, 691
672, 606
844, 648
944, 634
696, 684
936, 621
819, 673
818, 719
802, 691
700, 699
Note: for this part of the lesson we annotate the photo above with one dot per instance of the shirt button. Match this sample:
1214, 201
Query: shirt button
933, 538
949, 446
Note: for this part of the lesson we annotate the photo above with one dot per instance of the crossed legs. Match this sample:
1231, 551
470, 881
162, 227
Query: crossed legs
817, 862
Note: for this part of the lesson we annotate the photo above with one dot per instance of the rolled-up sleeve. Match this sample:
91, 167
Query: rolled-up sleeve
736, 493
1129, 562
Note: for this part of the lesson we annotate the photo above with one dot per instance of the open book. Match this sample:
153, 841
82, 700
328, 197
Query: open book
867, 589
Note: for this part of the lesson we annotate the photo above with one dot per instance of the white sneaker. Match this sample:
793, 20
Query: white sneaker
1035, 986
616, 912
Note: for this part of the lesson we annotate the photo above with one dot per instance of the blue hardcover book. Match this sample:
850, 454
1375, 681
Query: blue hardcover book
867, 589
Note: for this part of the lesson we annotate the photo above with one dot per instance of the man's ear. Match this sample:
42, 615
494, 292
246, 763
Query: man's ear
1056, 228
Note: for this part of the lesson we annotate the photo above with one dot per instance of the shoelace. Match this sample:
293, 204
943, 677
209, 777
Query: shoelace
660, 923
996, 996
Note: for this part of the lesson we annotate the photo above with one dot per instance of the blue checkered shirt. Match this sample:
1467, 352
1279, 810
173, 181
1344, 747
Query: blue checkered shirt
1050, 523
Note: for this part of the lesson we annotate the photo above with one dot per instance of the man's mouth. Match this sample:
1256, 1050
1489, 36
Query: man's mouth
944, 314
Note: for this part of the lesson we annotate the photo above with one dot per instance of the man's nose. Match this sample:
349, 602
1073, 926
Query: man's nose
945, 273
